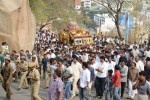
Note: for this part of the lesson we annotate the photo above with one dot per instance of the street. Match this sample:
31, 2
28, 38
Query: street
24, 94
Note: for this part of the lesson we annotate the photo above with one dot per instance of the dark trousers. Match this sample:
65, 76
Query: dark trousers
99, 85
123, 86
84, 93
44, 73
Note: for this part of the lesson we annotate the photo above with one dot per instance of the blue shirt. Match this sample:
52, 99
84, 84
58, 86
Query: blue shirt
44, 63
108, 84
91, 69
1, 59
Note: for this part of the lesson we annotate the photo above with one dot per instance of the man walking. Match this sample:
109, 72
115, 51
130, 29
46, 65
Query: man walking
132, 78
143, 87
116, 80
55, 91
34, 76
68, 73
44, 63
139, 64
124, 72
23, 66
76, 66
84, 82
100, 77
7, 77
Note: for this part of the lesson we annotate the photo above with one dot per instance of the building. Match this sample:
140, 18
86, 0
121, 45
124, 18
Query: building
77, 4
105, 22
87, 3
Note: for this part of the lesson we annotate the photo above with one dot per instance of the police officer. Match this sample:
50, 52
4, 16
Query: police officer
34, 76
34, 60
7, 77
23, 66
16, 73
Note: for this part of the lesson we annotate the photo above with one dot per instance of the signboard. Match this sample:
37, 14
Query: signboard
126, 22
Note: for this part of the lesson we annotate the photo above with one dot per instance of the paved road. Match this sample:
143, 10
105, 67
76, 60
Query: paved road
24, 94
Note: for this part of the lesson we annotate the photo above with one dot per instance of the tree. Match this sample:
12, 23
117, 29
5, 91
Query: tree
137, 6
58, 13
114, 7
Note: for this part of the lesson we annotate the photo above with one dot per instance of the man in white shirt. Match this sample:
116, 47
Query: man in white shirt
116, 57
147, 52
108, 40
139, 64
68, 79
84, 82
52, 55
85, 57
94, 65
135, 51
101, 69
77, 68
111, 64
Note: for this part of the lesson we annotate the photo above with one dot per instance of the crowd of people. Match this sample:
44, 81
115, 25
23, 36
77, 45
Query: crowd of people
109, 67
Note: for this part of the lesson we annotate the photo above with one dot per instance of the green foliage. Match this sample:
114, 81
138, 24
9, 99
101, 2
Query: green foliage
58, 13
39, 8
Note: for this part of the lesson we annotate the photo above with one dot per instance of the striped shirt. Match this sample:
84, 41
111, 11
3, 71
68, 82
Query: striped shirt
55, 87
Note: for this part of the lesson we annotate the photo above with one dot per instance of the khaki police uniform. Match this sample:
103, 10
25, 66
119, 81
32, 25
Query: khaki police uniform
47, 81
40, 57
36, 62
24, 73
8, 70
35, 85
17, 60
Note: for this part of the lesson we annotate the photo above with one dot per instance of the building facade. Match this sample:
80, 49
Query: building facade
105, 22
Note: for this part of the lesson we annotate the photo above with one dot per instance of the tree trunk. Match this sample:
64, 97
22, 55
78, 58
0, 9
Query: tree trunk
42, 27
119, 31
117, 26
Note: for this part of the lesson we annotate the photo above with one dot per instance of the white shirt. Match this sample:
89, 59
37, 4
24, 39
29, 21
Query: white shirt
84, 78
69, 71
97, 58
111, 65
140, 65
127, 55
95, 65
48, 56
104, 67
147, 54
53, 55
85, 58
77, 68
108, 40
12, 63
116, 58
52, 68
135, 52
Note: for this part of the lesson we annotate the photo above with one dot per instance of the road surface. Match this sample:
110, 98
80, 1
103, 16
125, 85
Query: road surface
24, 94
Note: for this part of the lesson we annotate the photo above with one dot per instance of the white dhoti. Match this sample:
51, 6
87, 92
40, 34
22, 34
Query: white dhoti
131, 91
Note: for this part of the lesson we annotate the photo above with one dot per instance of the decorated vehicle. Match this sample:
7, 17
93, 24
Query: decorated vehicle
76, 37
